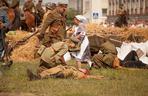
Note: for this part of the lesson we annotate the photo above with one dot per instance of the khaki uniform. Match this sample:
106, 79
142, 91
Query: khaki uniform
40, 10
52, 16
53, 55
50, 39
66, 71
29, 6
106, 58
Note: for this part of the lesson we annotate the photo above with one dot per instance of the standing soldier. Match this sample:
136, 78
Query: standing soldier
57, 14
122, 17
29, 6
39, 9
16, 22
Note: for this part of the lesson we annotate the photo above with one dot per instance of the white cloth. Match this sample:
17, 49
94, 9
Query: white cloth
83, 47
82, 19
81, 30
128, 47
67, 57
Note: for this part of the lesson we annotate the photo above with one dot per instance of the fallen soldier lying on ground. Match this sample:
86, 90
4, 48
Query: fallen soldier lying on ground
61, 71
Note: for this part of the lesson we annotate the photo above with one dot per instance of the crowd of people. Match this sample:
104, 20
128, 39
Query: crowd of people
55, 48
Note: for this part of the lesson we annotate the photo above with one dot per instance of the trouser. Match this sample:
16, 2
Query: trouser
62, 72
1, 43
16, 23
132, 61
104, 60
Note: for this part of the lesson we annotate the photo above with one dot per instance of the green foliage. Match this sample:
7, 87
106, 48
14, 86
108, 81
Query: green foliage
71, 13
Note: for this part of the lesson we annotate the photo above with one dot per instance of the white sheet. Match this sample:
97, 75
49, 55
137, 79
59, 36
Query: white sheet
127, 47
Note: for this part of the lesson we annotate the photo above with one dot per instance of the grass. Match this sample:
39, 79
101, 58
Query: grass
122, 82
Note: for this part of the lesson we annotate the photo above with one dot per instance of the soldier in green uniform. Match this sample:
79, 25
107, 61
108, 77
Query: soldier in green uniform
39, 9
29, 6
57, 14
16, 23
107, 57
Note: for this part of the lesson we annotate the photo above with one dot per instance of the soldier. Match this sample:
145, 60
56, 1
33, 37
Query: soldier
57, 14
16, 23
53, 55
52, 36
39, 9
122, 17
107, 57
29, 6
62, 72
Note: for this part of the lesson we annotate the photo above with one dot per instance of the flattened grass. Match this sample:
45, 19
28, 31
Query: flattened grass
122, 82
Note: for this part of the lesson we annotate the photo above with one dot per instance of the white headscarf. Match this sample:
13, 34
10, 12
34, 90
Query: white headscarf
82, 19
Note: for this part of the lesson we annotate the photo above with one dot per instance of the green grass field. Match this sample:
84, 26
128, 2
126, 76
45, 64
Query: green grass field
123, 82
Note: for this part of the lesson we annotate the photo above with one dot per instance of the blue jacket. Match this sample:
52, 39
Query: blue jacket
4, 17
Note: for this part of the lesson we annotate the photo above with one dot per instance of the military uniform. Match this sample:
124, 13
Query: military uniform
50, 39
106, 58
62, 72
28, 6
52, 16
53, 55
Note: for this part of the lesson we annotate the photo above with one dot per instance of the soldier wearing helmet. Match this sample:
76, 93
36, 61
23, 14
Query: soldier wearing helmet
57, 14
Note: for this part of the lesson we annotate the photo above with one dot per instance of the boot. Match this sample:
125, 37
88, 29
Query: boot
7, 65
32, 76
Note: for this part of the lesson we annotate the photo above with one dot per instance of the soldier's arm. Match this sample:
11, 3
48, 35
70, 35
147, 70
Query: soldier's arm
48, 20
46, 40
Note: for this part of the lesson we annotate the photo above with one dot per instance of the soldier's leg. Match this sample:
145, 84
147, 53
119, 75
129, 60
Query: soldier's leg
132, 56
50, 72
97, 59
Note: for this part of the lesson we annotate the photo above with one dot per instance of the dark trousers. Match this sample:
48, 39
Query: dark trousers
16, 23
1, 42
132, 61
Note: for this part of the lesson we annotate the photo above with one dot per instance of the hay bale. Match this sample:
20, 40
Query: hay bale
24, 52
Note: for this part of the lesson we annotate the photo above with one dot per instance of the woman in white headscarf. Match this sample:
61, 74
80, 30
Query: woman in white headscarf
80, 34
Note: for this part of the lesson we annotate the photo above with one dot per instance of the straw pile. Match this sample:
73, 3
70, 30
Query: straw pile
25, 52
123, 33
